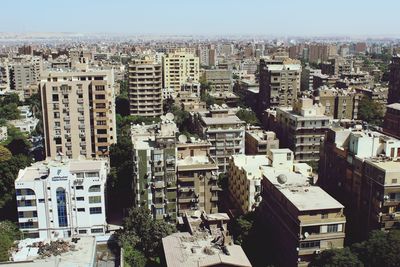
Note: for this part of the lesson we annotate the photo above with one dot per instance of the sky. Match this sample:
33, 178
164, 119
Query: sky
204, 17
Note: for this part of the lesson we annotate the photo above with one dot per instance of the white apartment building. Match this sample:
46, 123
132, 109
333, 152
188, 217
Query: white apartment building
62, 198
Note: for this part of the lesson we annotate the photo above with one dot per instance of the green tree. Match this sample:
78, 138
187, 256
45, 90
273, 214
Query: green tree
134, 257
5, 154
143, 233
336, 258
206, 97
242, 226
9, 232
248, 116
370, 111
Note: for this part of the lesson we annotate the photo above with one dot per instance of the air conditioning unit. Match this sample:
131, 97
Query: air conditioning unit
318, 251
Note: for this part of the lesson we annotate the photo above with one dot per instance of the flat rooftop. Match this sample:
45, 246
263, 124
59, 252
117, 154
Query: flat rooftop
82, 254
41, 168
251, 164
230, 119
299, 192
186, 250
195, 160
394, 106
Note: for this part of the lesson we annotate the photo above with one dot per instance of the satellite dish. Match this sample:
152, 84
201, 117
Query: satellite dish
182, 139
282, 178
306, 234
169, 116
162, 117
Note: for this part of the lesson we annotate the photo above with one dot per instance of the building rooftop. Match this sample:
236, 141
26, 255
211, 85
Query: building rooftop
231, 119
251, 164
296, 188
394, 106
41, 168
80, 253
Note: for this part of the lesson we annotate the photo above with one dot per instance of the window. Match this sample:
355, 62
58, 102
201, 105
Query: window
82, 231
324, 216
55, 97
79, 175
61, 207
95, 210
92, 174
80, 198
333, 228
96, 230
310, 244
95, 199
289, 156
94, 188
41, 200
81, 209
79, 187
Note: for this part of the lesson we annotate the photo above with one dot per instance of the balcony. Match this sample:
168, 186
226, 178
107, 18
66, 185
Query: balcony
80, 101
67, 126
81, 118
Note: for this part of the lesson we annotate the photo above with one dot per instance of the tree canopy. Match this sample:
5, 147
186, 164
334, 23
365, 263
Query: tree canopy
141, 235
248, 116
370, 111
9, 232
9, 107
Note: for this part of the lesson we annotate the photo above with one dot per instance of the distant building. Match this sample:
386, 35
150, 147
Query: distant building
78, 113
220, 80
145, 88
394, 80
301, 128
301, 219
204, 241
338, 103
259, 142
391, 124
62, 198
178, 68
279, 83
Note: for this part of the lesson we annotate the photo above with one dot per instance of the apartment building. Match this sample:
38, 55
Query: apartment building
300, 219
224, 130
197, 177
301, 128
4, 76
178, 68
155, 168
25, 71
244, 179
145, 88
62, 198
338, 103
367, 181
259, 142
78, 113
394, 80
220, 81
279, 82
391, 124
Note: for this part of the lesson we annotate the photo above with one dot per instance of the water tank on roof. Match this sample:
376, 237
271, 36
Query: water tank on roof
282, 178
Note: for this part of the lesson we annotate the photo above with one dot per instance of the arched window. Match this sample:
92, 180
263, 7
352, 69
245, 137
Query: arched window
61, 207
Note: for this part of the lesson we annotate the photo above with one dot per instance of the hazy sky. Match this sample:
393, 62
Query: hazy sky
201, 17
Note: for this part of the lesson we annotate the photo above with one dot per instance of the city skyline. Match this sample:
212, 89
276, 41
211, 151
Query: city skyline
208, 18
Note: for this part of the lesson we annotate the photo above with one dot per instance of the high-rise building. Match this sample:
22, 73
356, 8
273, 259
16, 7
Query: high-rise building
301, 128
391, 124
299, 218
197, 178
225, 131
394, 80
25, 71
78, 113
361, 169
279, 83
178, 68
145, 88
154, 173
62, 198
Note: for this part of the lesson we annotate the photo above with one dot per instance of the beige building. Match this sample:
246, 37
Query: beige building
78, 113
301, 127
301, 219
259, 142
220, 80
244, 179
279, 82
197, 178
338, 103
225, 131
145, 88
178, 68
